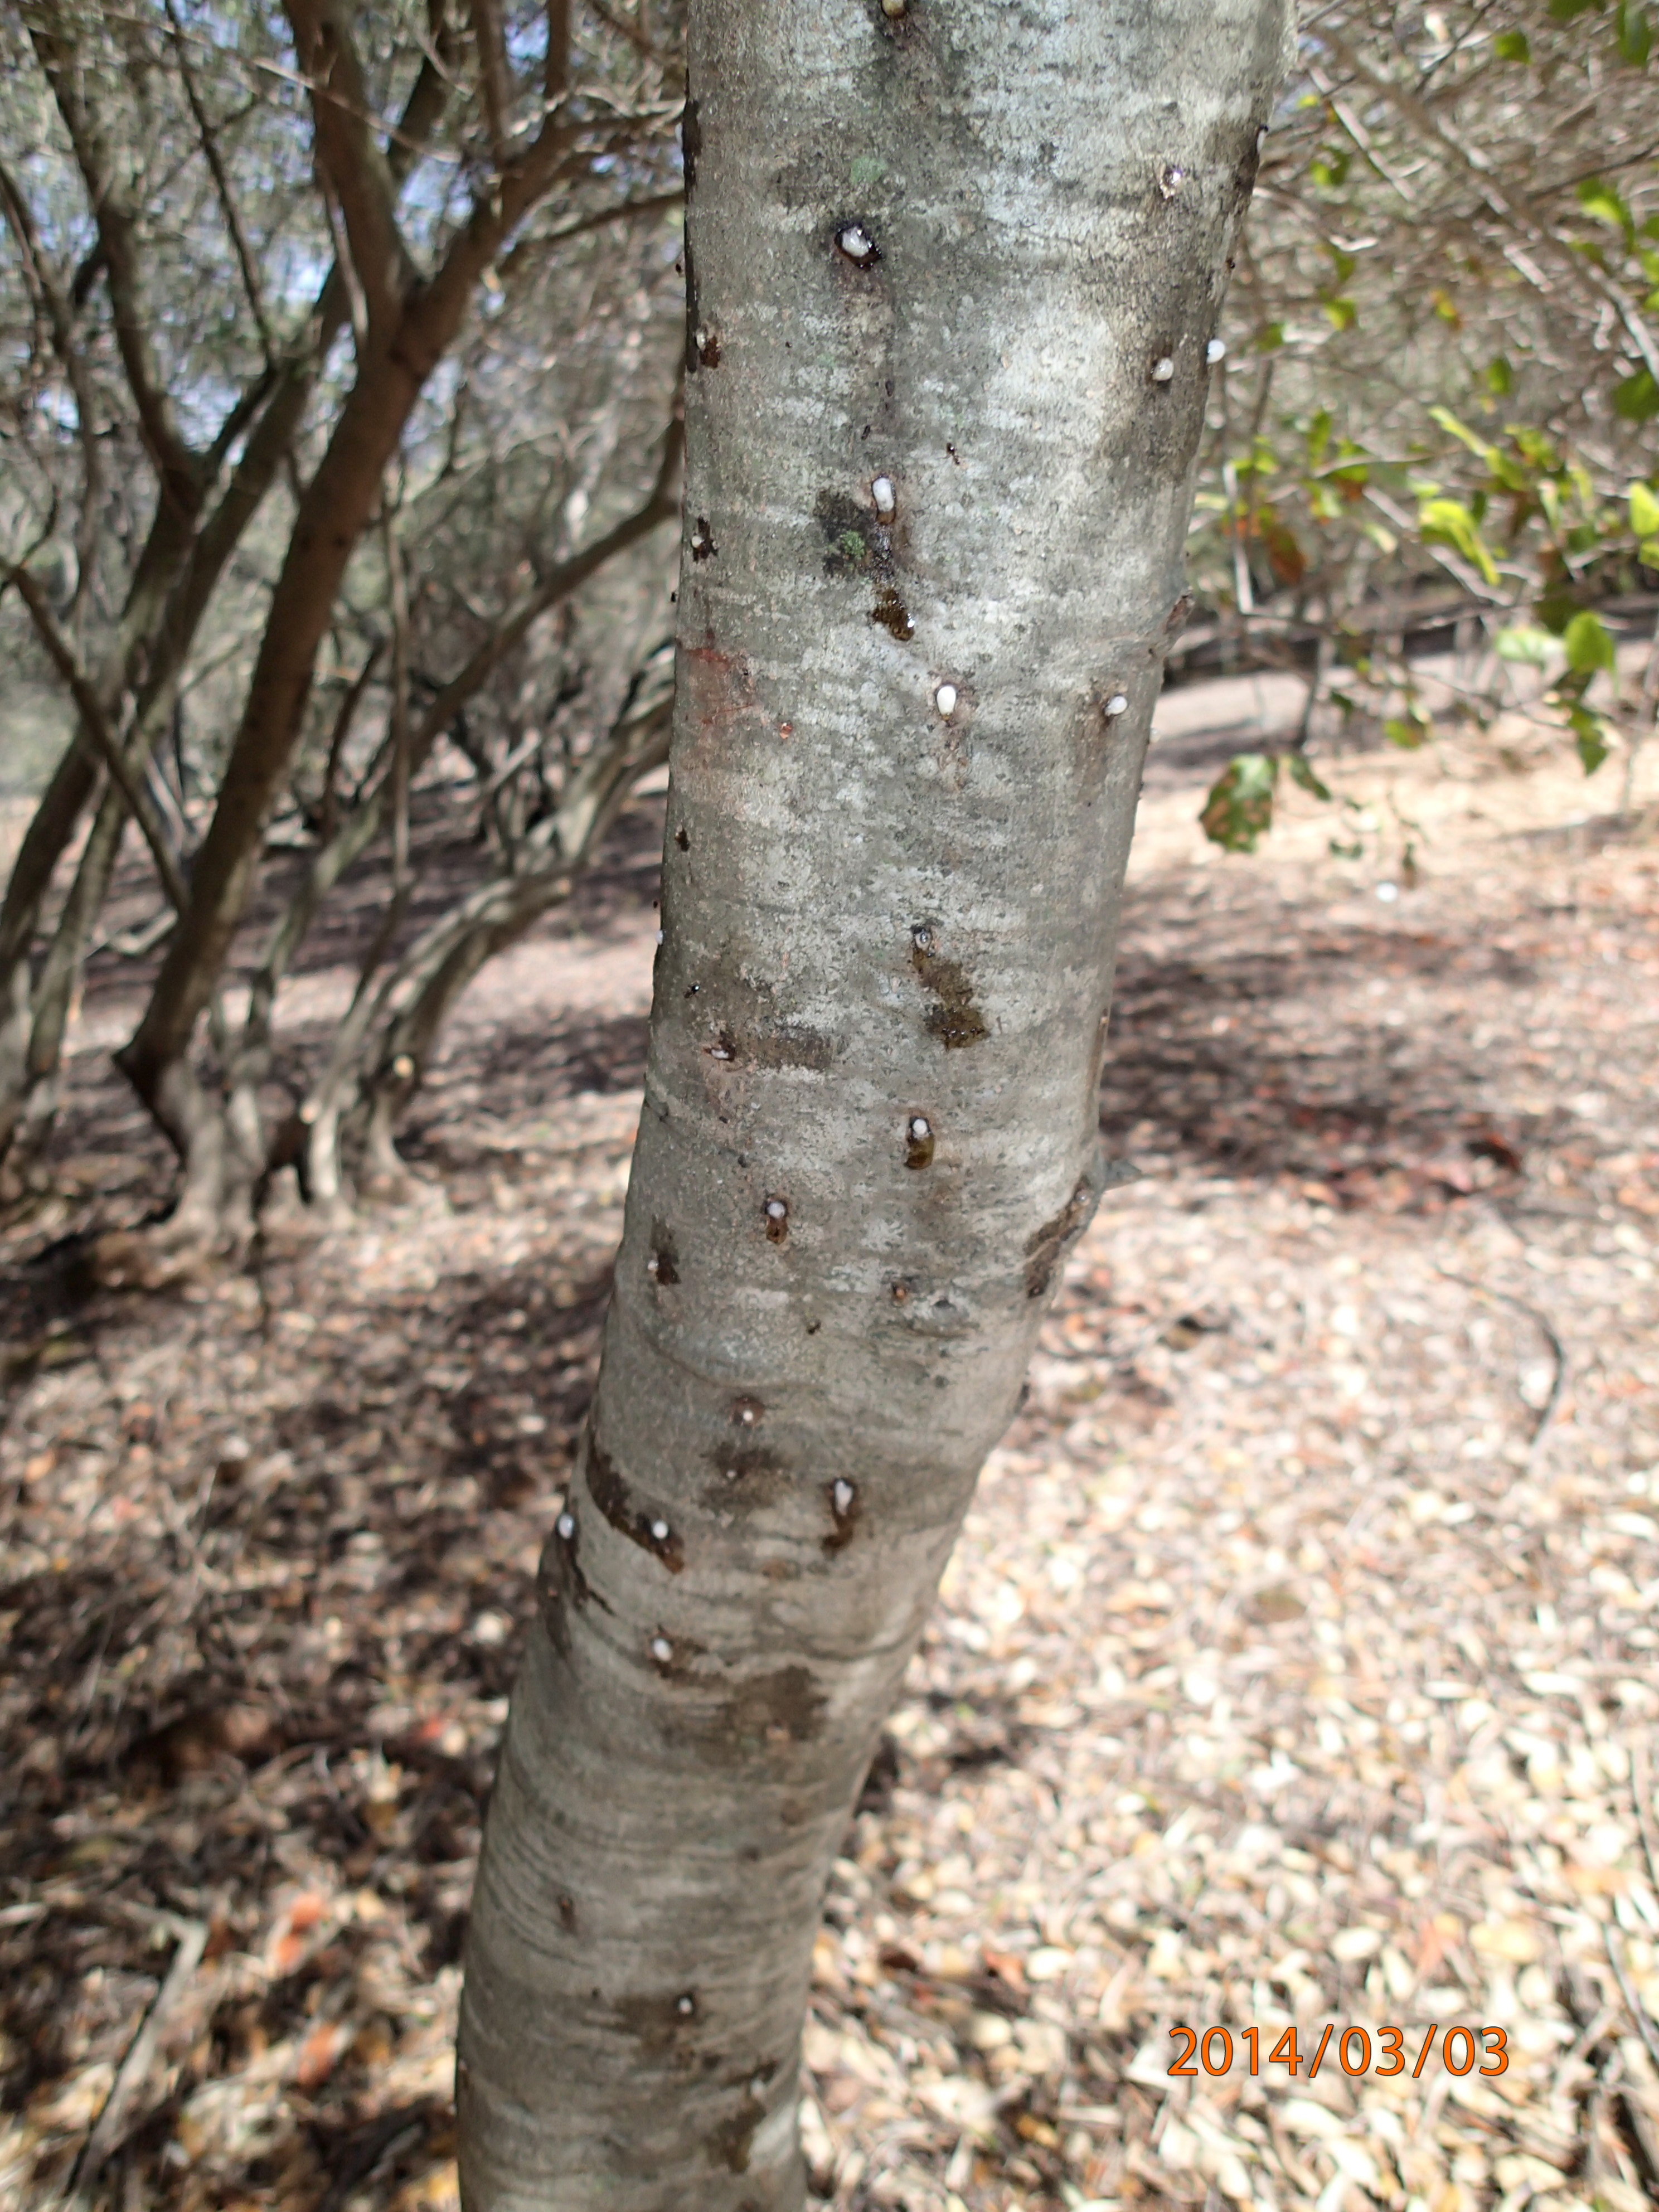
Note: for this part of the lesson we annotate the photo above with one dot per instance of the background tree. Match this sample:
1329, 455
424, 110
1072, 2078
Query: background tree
279, 300
953, 286
1433, 427
1437, 427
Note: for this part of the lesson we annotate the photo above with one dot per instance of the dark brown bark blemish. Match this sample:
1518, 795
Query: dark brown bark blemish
664, 1264
891, 613
683, 838
953, 1018
746, 1411
775, 1213
560, 1581
747, 1475
728, 2144
690, 143
846, 1509
703, 547
786, 1046
855, 242
918, 1141
1042, 1252
858, 545
642, 1525
784, 1707
660, 2024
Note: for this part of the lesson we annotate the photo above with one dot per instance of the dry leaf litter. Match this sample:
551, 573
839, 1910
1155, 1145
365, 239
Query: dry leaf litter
1296, 1663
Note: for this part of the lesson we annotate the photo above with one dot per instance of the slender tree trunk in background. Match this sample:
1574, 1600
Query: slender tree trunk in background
952, 278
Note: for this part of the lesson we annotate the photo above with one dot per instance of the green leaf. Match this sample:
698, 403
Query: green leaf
1648, 553
1239, 810
1589, 732
1597, 197
1319, 437
1270, 337
1643, 511
1447, 421
1525, 643
1302, 772
1568, 11
1633, 32
1448, 521
1589, 644
1500, 377
1636, 398
1343, 314
1511, 47
1409, 736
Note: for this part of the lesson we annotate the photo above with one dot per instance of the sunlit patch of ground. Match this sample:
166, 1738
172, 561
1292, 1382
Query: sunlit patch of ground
1296, 1665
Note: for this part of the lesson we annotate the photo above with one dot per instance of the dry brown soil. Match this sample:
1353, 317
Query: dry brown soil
1296, 1665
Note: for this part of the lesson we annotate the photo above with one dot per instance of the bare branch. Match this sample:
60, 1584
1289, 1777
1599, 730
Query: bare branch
96, 724
556, 72
656, 204
661, 507
349, 155
60, 316
176, 465
494, 86
222, 184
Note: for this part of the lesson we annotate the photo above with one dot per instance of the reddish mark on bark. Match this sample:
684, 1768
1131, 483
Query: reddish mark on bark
721, 685
642, 1525
1043, 1249
567, 1913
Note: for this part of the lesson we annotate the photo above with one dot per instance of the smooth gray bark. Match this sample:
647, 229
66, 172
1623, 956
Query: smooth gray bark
952, 281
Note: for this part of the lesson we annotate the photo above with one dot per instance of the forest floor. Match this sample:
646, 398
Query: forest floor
1296, 1665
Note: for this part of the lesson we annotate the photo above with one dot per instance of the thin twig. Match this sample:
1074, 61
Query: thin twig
1641, 1791
96, 723
1559, 1351
1639, 2020
191, 1937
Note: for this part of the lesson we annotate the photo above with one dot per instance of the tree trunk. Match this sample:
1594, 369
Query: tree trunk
956, 276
